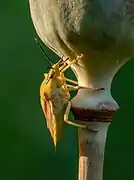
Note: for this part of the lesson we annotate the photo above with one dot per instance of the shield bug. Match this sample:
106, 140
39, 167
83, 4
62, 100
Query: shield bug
55, 97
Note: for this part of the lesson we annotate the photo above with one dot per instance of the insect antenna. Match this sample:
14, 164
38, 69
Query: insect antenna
48, 58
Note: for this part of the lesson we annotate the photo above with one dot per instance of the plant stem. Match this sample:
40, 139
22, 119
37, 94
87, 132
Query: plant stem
91, 150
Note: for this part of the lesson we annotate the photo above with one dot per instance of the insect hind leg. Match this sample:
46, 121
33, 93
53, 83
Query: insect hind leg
70, 122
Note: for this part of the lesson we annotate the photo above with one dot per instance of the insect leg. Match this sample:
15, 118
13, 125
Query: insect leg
72, 81
66, 66
70, 122
66, 79
75, 88
72, 62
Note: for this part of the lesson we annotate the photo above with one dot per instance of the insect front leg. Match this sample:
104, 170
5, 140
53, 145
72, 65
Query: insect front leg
70, 122
71, 63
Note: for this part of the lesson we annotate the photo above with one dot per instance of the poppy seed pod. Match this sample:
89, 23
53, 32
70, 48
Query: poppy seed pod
100, 30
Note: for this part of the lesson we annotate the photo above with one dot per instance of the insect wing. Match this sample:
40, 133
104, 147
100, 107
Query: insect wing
54, 121
46, 107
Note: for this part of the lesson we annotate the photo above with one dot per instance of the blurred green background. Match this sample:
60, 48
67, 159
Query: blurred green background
26, 148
